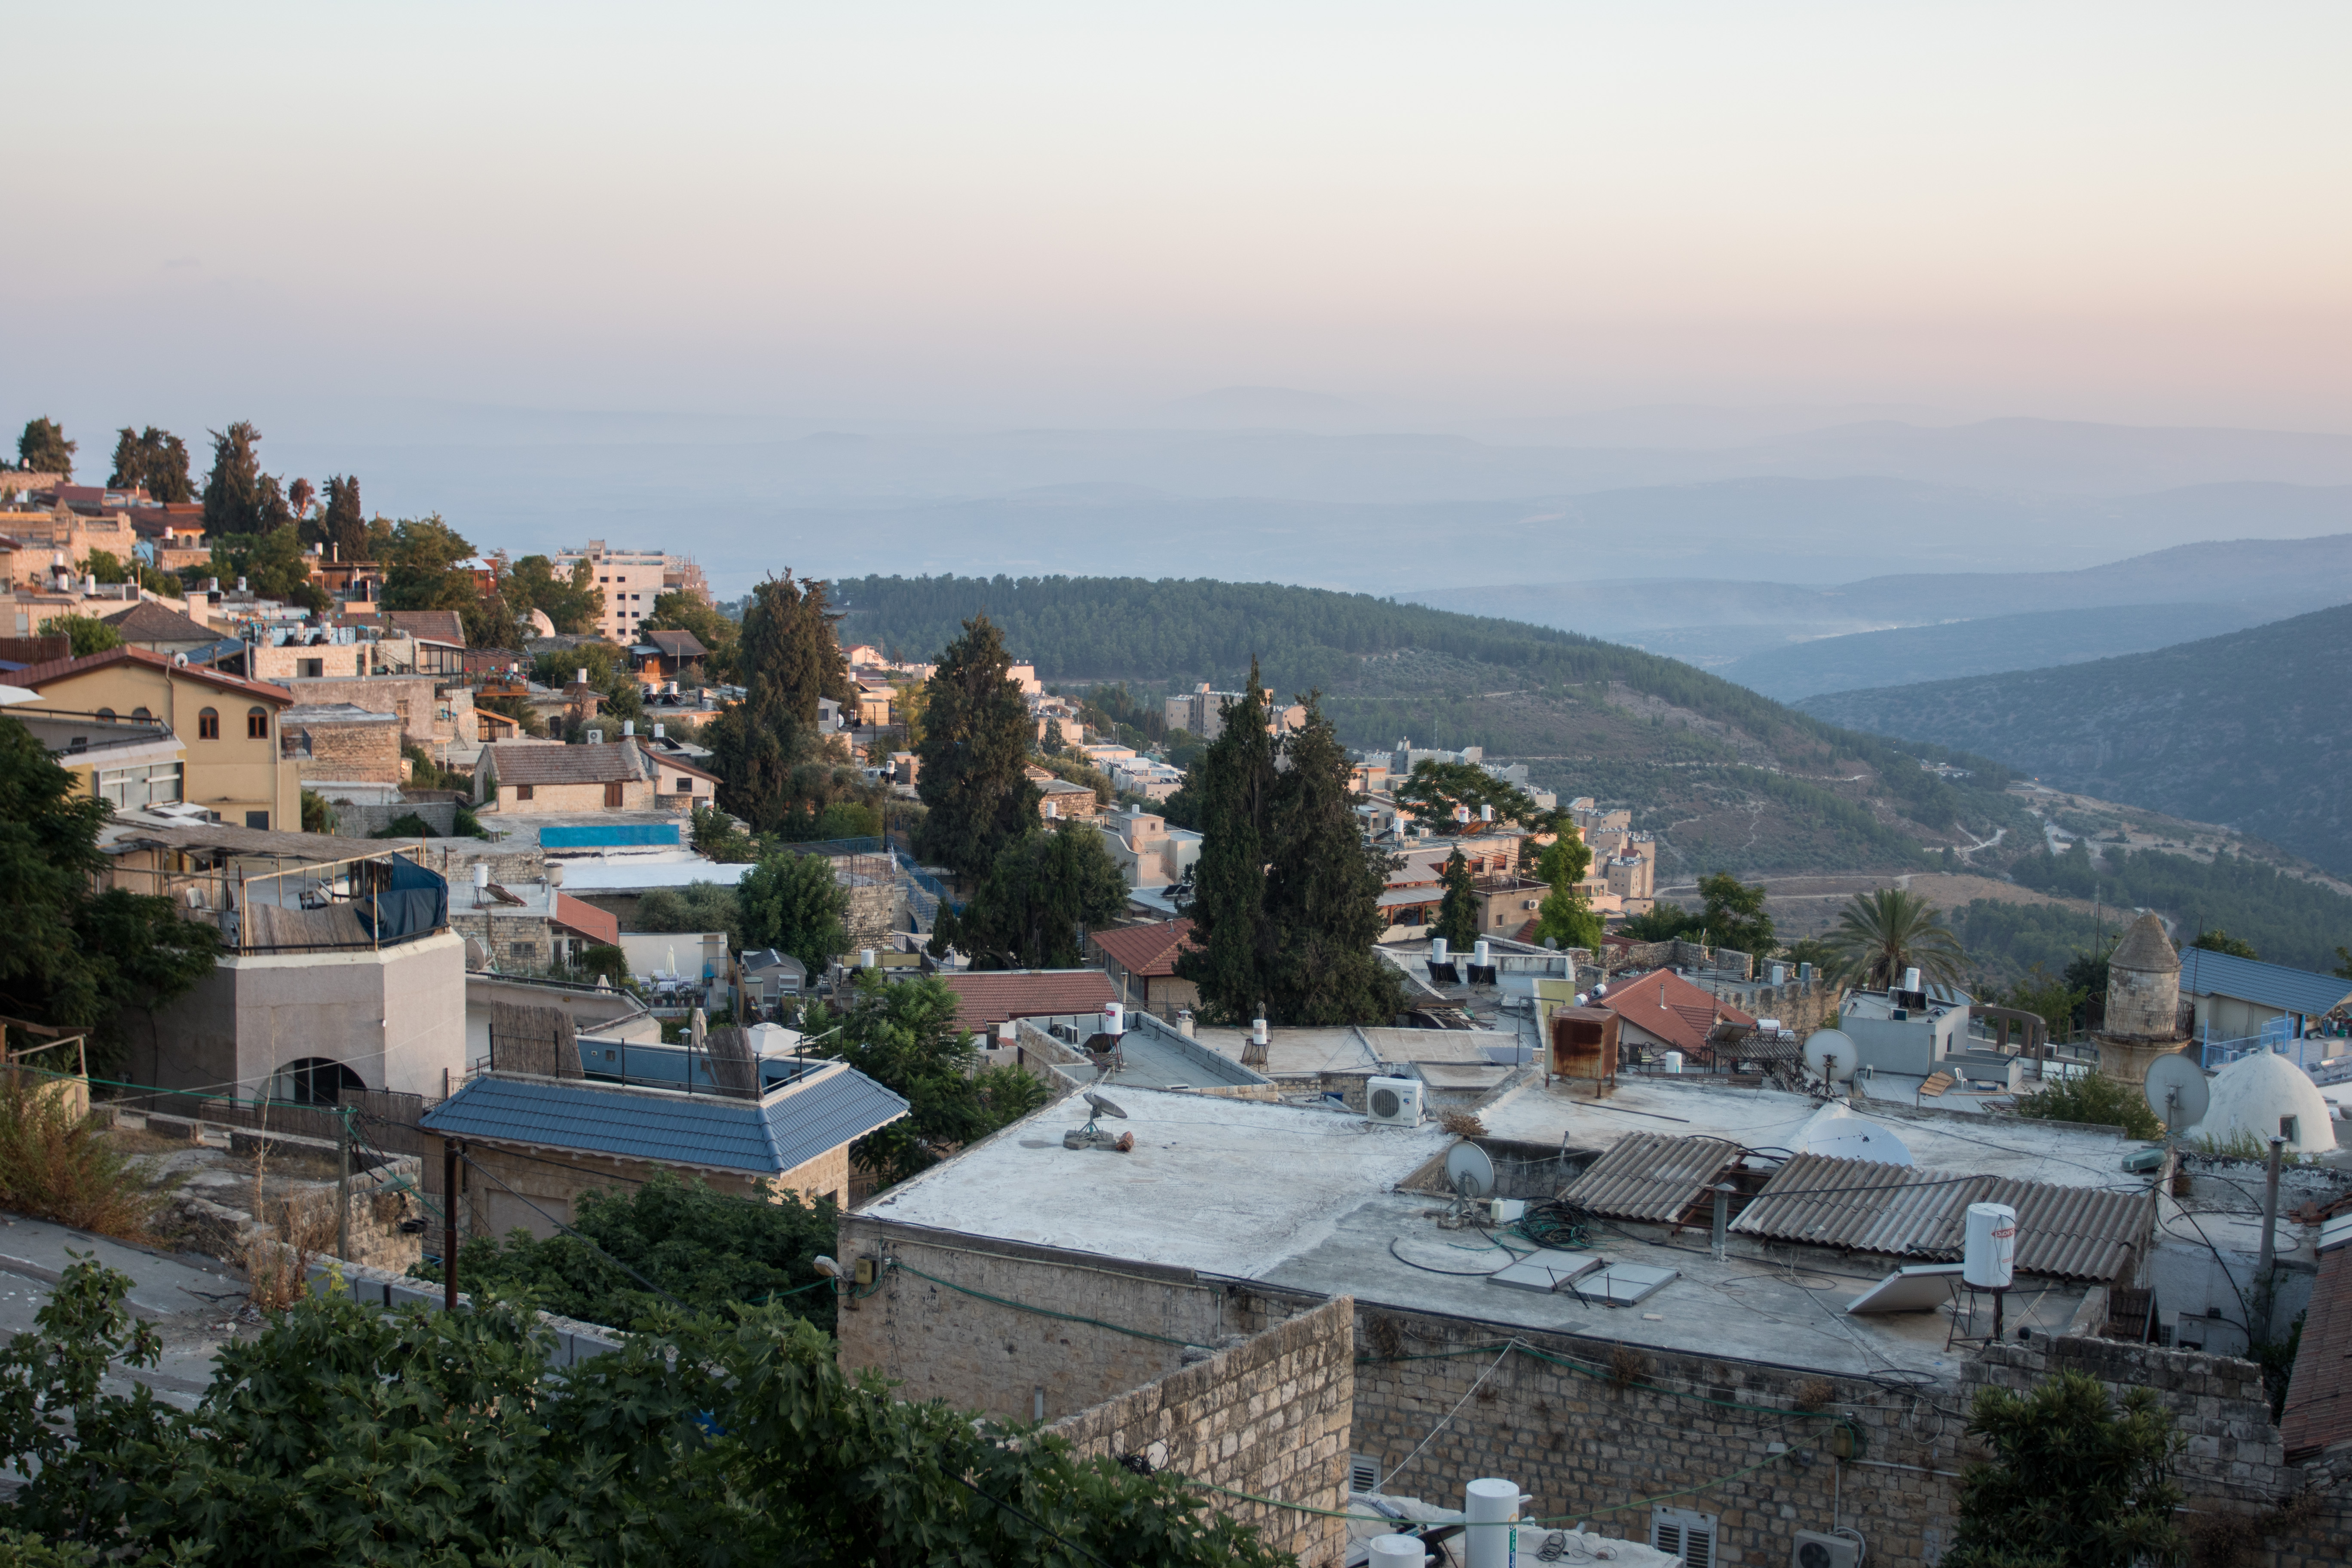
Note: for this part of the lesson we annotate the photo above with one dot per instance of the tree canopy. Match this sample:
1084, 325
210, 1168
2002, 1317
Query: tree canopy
1879, 935
774, 772
974, 755
43, 448
75, 959
1038, 901
153, 459
903, 1034
340, 1433
793, 904
1566, 915
1286, 897
1457, 913
84, 635
571, 601
2074, 1481
1450, 797
680, 611
271, 565
1733, 916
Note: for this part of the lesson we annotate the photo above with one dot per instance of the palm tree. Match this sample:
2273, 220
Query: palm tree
1879, 935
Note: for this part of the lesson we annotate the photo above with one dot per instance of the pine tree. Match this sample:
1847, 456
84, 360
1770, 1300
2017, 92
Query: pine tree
44, 449
1323, 890
1042, 895
975, 751
790, 657
1458, 916
1232, 940
233, 494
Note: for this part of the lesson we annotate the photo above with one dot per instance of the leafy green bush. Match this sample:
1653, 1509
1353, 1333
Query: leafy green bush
344, 1433
406, 826
2095, 1100
707, 1249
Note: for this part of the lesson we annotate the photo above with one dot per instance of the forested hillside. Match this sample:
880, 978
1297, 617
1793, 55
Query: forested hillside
2252, 729
1732, 779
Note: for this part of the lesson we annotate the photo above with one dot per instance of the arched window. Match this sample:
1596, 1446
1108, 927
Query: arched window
208, 724
106, 715
256, 723
316, 1080
142, 715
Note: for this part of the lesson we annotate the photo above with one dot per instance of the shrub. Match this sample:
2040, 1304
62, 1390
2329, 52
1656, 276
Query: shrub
55, 1165
2094, 1099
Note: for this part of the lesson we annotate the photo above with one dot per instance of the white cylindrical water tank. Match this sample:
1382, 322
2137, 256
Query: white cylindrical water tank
864, 958
1485, 813
555, 873
1910, 979
1674, 1061
1397, 1552
1437, 949
1479, 953
1779, 974
579, 676
1257, 1030
481, 875
1489, 1506
1989, 1254
1114, 1019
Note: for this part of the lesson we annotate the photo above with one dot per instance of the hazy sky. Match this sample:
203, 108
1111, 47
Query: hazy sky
1025, 211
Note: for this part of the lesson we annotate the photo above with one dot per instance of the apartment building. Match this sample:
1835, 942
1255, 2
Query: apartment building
631, 582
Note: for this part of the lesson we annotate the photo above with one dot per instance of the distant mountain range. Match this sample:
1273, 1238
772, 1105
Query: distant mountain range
1790, 640
1229, 486
2252, 730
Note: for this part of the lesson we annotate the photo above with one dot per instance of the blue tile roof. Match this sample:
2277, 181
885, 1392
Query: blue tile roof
2204, 974
790, 1127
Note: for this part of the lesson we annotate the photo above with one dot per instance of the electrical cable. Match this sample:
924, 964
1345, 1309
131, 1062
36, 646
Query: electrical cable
1027, 1519
1407, 1462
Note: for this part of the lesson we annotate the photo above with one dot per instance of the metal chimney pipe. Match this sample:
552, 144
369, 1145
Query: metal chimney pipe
2270, 1230
449, 1225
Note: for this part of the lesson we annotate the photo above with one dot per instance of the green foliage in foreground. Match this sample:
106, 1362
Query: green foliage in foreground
2074, 1482
707, 1247
2095, 1100
345, 1434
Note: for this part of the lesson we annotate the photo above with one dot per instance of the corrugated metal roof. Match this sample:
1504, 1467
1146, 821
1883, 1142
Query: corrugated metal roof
767, 1137
1652, 1176
2204, 974
2069, 1233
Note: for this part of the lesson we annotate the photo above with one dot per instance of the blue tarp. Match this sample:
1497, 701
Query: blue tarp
416, 904
619, 835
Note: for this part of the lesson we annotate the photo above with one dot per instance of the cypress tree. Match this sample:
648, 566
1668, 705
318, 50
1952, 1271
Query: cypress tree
790, 657
1323, 890
342, 525
44, 449
1457, 917
1566, 916
1233, 784
153, 458
232, 495
974, 754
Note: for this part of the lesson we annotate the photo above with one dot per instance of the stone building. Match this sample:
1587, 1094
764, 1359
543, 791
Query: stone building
530, 777
343, 751
1810, 1368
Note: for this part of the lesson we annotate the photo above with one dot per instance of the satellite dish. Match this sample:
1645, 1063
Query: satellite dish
1469, 1170
2178, 1092
1828, 1054
1103, 1107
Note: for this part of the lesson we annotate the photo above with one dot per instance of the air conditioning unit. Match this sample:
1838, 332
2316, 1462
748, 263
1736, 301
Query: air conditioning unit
1811, 1549
1395, 1101
1688, 1534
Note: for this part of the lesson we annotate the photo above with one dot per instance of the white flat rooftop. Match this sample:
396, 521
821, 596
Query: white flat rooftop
1768, 1119
1224, 1186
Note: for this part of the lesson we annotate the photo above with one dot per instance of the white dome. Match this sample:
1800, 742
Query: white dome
2263, 1096
1840, 1134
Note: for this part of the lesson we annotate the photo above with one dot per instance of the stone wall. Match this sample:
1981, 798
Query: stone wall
355, 819
554, 1183
941, 1342
871, 915
1270, 1415
363, 751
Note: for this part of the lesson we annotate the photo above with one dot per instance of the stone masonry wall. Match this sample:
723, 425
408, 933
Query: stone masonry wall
1270, 1415
941, 1343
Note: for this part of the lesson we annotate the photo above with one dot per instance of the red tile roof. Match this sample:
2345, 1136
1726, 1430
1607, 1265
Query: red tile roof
2319, 1393
431, 626
987, 999
38, 675
1664, 1004
1146, 952
602, 925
